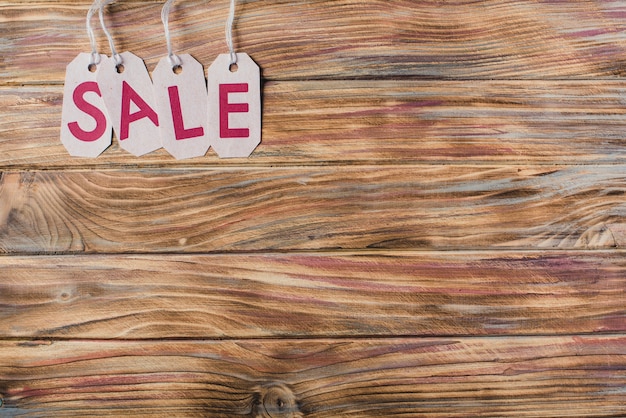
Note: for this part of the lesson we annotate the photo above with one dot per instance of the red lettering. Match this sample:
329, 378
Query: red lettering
226, 108
91, 110
177, 117
145, 111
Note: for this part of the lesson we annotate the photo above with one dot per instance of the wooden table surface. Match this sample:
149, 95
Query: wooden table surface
433, 225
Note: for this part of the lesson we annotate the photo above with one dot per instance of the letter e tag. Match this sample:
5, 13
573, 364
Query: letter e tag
85, 125
234, 106
180, 94
128, 95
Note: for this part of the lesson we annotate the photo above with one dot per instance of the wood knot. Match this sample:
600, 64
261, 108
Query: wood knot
276, 400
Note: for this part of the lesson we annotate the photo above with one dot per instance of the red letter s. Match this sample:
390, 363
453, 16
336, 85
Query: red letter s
91, 110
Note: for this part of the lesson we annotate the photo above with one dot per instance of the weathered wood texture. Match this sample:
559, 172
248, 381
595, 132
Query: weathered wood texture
536, 377
433, 224
312, 295
336, 39
458, 207
374, 122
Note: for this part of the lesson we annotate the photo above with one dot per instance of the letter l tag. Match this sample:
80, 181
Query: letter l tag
180, 95
85, 125
128, 95
234, 109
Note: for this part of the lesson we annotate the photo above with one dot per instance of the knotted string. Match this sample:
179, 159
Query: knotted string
229, 33
95, 57
114, 54
165, 13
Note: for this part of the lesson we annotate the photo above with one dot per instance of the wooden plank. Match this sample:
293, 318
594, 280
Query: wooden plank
316, 208
538, 376
389, 122
335, 39
312, 295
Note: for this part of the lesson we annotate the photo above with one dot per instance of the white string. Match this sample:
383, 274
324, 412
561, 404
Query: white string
165, 16
229, 33
95, 57
114, 54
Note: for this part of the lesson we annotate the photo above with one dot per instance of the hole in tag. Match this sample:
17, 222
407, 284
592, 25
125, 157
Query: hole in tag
92, 67
177, 69
119, 68
233, 68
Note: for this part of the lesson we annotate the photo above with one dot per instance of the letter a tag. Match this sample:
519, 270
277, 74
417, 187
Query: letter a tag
127, 92
234, 106
180, 94
85, 125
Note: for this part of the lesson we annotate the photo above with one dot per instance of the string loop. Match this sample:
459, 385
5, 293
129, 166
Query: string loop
95, 57
229, 33
173, 58
117, 57
165, 13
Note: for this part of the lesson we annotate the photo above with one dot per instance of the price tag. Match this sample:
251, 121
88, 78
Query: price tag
180, 93
127, 92
85, 125
234, 106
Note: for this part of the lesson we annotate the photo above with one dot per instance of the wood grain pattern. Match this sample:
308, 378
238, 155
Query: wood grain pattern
351, 122
448, 207
434, 224
336, 39
318, 378
312, 295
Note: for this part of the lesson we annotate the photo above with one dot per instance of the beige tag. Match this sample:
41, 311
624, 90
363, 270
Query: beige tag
128, 95
180, 94
85, 125
234, 97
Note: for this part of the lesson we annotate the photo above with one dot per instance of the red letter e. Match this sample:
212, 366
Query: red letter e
226, 108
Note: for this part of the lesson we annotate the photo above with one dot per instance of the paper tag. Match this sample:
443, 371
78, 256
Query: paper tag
234, 109
127, 93
85, 125
181, 102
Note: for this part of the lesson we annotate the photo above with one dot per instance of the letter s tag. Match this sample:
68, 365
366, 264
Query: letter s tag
234, 106
127, 93
85, 125
180, 93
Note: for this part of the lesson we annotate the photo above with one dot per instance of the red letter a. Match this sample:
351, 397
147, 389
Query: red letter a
127, 118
